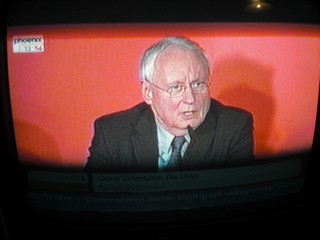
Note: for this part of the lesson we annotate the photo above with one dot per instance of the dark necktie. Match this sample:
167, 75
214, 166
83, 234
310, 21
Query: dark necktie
175, 159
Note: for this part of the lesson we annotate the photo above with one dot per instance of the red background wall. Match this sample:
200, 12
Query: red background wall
88, 71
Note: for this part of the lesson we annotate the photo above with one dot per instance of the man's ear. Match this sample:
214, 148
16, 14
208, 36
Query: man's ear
146, 92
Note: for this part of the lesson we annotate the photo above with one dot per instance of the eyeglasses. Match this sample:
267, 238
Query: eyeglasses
179, 89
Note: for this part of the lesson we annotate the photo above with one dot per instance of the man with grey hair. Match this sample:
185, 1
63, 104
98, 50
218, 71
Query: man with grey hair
178, 126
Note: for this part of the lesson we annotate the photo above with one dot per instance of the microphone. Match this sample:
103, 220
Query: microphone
191, 132
193, 137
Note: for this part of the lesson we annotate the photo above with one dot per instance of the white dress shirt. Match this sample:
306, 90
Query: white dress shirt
164, 145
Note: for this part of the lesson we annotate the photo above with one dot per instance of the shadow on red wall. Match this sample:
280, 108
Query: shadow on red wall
247, 84
36, 145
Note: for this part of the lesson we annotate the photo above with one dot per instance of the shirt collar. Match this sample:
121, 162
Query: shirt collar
165, 138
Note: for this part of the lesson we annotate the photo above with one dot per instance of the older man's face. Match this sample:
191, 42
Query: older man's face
178, 66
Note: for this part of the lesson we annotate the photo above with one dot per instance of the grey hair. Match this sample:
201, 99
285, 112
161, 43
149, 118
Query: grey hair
150, 56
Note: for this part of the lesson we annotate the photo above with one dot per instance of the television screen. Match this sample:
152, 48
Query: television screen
74, 86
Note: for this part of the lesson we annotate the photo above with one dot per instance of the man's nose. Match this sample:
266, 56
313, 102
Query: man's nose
188, 95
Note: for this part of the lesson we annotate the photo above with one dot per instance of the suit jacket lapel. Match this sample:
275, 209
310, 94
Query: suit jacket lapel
145, 142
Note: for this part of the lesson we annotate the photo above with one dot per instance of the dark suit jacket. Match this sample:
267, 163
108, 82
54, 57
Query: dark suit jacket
127, 141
